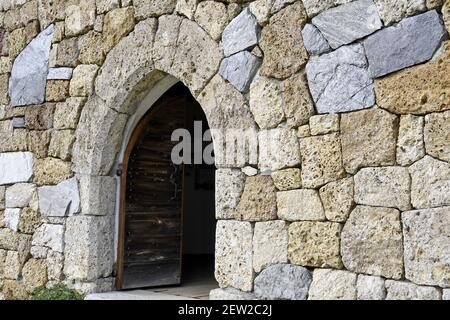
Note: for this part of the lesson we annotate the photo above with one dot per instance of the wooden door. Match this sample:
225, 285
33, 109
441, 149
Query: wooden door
150, 228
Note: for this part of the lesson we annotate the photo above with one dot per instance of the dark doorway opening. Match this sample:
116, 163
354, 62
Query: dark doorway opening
167, 210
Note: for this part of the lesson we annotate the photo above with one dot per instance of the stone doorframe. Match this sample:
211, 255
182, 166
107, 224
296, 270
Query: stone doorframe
135, 72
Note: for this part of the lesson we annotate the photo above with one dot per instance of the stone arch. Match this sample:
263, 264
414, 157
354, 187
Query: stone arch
141, 67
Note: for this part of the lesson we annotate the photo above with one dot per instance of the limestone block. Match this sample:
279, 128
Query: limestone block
57, 90
29, 71
397, 290
314, 41
371, 242
234, 255
104, 6
261, 10
39, 117
258, 201
410, 144
242, 33
49, 11
324, 124
55, 261
97, 195
82, 83
266, 102
51, 171
59, 74
300, 205
66, 53
34, 274
117, 24
414, 40
427, 243
89, 45
283, 282
153, 8
9, 240
330, 284
282, 43
230, 294
430, 184
49, 236
89, 247
321, 160
229, 187
16, 167
12, 266
314, 7
240, 69
278, 149
61, 144
370, 288
365, 144
349, 22
298, 104
437, 135
287, 179
12, 218
212, 16
270, 241
80, 16
60, 200
315, 244
392, 11
383, 187
19, 195
446, 14
338, 199
327, 73
187, 8
29, 221
68, 113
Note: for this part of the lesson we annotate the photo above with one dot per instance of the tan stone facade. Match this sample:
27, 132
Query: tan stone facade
353, 202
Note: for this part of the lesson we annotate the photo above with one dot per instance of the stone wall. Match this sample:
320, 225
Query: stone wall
354, 97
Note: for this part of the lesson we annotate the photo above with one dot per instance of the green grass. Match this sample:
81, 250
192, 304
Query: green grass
57, 292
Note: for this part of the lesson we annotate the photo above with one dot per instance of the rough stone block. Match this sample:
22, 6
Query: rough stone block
82, 83
230, 294
270, 241
240, 69
314, 41
427, 243
153, 8
60, 200
12, 218
315, 244
234, 255
242, 33
397, 290
49, 236
321, 160
300, 205
57, 90
371, 242
212, 16
324, 124
413, 41
392, 11
298, 104
229, 187
117, 24
89, 243
410, 144
283, 282
39, 117
287, 179
370, 288
330, 284
282, 43
278, 149
19, 195
59, 74
80, 17
383, 187
349, 22
337, 199
430, 185
68, 113
327, 73
258, 201
51, 171
437, 135
314, 7
29, 71
16, 167
34, 274
365, 144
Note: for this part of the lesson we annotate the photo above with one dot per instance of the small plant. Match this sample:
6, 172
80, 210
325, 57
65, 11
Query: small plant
57, 292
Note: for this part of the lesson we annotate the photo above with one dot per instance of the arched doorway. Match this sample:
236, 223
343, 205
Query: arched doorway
167, 218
